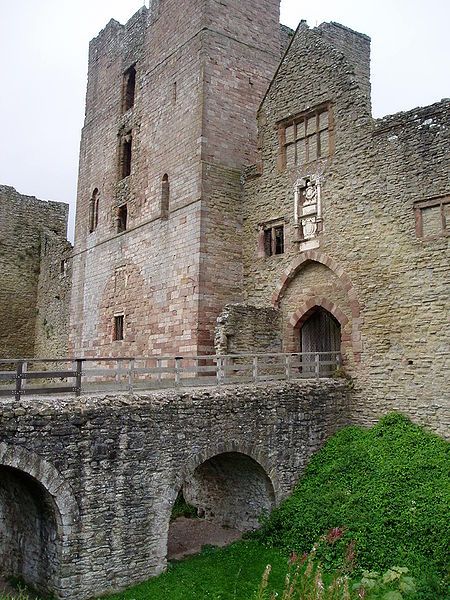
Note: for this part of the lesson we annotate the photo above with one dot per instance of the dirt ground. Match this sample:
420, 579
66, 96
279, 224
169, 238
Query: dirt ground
187, 536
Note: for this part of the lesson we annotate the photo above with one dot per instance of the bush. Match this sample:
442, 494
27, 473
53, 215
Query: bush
387, 489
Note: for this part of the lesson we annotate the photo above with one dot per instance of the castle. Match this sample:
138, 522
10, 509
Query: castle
235, 194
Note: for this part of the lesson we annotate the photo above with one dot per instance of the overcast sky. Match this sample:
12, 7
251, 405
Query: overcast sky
43, 59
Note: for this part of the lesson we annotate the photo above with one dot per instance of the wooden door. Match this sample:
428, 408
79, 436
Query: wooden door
320, 333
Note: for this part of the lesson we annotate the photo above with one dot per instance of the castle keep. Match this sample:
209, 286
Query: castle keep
170, 121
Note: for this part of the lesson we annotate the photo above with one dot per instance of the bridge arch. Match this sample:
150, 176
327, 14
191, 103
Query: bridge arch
37, 512
230, 484
232, 446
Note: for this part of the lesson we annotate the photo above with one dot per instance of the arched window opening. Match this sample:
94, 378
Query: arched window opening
129, 89
229, 492
93, 210
165, 197
320, 332
28, 531
125, 148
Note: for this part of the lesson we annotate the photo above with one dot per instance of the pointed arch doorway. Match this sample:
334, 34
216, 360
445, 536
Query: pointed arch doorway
319, 331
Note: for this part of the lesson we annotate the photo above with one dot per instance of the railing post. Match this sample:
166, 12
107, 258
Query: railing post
338, 360
178, 360
24, 370
317, 366
18, 390
219, 370
79, 372
287, 360
130, 375
255, 369
159, 373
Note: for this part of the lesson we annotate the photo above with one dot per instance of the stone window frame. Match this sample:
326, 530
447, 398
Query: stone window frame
302, 118
118, 327
438, 201
125, 154
122, 218
271, 226
129, 88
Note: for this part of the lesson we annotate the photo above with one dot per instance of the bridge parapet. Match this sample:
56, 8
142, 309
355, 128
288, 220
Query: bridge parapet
18, 377
119, 462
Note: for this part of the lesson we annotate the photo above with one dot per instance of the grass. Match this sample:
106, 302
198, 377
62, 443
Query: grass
232, 573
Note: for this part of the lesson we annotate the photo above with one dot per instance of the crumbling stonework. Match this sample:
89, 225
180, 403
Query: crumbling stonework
34, 298
109, 469
241, 328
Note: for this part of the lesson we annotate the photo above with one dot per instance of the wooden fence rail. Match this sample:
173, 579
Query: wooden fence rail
85, 375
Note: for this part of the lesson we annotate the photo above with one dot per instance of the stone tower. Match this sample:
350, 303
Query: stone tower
170, 121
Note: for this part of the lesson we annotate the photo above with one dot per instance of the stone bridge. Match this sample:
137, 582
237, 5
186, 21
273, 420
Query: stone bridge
87, 485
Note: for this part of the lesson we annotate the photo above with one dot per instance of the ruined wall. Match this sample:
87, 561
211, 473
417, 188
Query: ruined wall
115, 464
242, 328
25, 224
369, 264
53, 297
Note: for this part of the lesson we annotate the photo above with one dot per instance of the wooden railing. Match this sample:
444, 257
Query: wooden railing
88, 375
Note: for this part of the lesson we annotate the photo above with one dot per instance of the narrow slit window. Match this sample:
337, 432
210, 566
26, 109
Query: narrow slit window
165, 197
93, 211
121, 219
125, 156
129, 89
118, 328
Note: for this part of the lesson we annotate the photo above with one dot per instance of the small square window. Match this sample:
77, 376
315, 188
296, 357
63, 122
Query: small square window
118, 328
273, 240
432, 218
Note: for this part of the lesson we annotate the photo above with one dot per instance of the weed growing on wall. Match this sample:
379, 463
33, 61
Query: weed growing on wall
387, 489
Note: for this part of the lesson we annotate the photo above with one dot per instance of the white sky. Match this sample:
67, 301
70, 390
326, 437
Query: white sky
43, 62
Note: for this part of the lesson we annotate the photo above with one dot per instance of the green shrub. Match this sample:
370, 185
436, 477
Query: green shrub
387, 489
182, 509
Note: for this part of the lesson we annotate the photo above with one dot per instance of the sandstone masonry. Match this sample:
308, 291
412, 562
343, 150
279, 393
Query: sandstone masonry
170, 121
364, 208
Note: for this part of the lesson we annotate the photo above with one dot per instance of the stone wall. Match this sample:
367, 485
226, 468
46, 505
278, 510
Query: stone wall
26, 226
368, 265
115, 464
53, 297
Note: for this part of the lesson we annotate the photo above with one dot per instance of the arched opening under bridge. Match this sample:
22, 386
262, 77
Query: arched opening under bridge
229, 492
29, 548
